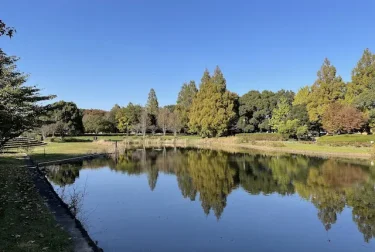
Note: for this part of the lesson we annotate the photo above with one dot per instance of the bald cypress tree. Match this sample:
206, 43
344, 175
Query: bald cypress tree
213, 108
218, 79
327, 89
152, 107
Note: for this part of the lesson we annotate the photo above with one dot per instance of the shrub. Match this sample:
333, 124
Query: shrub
249, 137
75, 140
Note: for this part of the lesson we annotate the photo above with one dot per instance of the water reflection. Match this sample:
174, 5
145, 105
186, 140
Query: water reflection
330, 185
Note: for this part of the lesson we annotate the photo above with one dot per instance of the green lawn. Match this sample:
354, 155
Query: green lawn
347, 138
90, 138
25, 222
325, 148
57, 151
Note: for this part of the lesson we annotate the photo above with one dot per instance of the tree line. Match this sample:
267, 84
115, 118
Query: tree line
210, 110
329, 105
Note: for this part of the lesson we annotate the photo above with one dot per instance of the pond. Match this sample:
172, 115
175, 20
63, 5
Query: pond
172, 199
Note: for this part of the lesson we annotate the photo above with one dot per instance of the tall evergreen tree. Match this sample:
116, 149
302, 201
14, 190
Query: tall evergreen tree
152, 107
362, 75
20, 108
218, 78
184, 102
327, 89
213, 108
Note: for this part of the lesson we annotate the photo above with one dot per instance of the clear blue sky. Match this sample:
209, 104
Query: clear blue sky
98, 53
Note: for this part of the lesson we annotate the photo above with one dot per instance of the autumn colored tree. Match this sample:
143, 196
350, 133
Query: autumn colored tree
213, 108
340, 118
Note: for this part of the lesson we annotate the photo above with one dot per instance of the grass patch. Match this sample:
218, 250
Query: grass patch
25, 222
347, 138
325, 148
63, 150
249, 137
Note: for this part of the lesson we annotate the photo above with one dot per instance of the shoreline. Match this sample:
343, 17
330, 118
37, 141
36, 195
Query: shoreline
81, 240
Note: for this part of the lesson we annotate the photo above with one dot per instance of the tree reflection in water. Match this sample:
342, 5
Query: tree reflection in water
330, 185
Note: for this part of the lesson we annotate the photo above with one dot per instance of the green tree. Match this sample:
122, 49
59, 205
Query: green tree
68, 114
111, 116
152, 107
218, 79
327, 89
6, 30
184, 102
128, 117
362, 76
20, 108
255, 109
302, 96
213, 108
95, 121
280, 114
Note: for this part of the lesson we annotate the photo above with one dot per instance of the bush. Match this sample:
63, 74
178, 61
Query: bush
249, 137
75, 140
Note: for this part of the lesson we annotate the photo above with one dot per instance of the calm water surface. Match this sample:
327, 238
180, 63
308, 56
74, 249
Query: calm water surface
204, 200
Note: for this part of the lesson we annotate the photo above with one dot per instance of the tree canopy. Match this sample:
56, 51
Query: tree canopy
213, 108
20, 107
185, 101
362, 76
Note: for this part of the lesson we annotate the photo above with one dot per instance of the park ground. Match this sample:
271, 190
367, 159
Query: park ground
27, 225
25, 222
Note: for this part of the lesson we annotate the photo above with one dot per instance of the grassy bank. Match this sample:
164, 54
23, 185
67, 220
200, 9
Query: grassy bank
64, 150
347, 138
305, 148
57, 151
25, 222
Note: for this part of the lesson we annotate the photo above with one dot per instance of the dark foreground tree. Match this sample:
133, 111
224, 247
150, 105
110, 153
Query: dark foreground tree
6, 30
20, 108
68, 117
